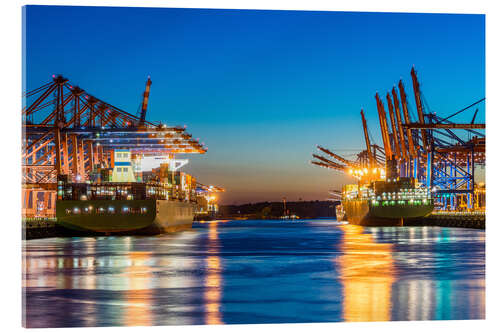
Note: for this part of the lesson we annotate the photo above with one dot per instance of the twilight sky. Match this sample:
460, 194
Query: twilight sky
260, 88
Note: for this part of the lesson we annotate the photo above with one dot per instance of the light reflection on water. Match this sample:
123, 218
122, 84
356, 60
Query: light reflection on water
212, 293
367, 272
256, 272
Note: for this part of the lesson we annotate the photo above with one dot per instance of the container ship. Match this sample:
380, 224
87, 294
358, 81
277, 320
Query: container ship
118, 201
377, 200
388, 202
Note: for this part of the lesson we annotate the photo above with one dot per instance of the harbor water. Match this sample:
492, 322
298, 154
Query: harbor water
234, 272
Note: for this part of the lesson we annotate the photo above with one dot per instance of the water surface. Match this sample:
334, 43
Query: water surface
256, 272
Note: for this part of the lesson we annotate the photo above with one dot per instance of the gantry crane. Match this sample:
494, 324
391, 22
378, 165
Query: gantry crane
428, 149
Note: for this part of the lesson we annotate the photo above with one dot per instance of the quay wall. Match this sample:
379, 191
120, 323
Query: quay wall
473, 220
46, 227
39, 228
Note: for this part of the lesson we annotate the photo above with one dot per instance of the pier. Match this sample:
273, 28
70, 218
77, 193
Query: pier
39, 227
474, 220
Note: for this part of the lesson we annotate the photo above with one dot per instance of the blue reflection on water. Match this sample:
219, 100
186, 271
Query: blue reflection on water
256, 272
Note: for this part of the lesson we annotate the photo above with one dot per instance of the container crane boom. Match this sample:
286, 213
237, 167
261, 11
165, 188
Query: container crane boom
340, 158
418, 101
367, 139
328, 166
395, 137
331, 163
445, 126
383, 127
404, 105
145, 100
400, 125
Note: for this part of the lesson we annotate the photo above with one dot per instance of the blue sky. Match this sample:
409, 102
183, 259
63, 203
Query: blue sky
260, 88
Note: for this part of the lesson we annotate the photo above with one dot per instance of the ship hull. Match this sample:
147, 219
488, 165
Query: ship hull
361, 212
124, 217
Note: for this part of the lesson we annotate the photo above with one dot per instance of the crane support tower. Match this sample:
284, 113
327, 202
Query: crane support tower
145, 101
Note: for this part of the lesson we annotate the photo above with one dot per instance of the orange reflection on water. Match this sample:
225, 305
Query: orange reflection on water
212, 294
138, 297
367, 272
